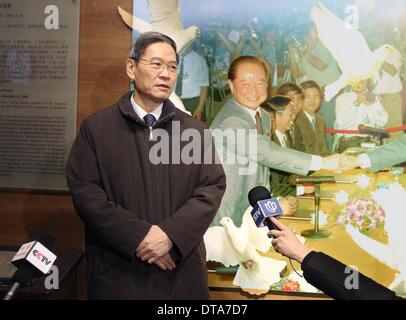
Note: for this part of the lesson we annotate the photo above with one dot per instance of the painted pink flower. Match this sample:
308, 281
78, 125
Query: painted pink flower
362, 214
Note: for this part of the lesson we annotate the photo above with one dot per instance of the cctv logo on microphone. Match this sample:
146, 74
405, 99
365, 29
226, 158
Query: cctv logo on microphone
41, 256
265, 209
271, 206
36, 254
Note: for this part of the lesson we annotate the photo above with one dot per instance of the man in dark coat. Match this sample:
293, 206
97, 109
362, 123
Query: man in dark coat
144, 204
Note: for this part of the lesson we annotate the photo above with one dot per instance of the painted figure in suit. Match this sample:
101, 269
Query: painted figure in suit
285, 113
309, 126
249, 153
388, 155
294, 93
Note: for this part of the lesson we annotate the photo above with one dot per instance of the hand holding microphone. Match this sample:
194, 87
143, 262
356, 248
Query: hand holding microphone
286, 242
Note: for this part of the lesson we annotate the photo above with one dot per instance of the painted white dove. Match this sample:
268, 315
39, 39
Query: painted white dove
165, 18
394, 253
232, 246
349, 49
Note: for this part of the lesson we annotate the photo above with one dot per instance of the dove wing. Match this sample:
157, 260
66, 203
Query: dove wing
165, 15
219, 247
257, 237
348, 46
133, 22
373, 247
394, 214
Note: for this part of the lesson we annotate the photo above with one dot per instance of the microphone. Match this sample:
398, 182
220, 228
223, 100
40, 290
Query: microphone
294, 180
32, 260
264, 207
381, 133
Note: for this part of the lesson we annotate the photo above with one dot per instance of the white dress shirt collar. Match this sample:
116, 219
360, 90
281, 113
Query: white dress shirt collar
141, 113
251, 112
282, 137
310, 117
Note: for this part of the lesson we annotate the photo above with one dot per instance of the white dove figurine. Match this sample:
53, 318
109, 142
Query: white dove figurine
165, 18
394, 253
232, 246
349, 48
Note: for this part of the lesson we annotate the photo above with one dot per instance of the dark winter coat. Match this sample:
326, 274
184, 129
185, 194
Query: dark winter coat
120, 194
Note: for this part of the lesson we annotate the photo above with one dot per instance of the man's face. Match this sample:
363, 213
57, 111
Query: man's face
250, 86
312, 100
297, 99
153, 86
285, 120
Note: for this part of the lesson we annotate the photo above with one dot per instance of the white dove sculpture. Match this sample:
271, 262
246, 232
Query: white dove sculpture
394, 253
349, 48
165, 18
232, 246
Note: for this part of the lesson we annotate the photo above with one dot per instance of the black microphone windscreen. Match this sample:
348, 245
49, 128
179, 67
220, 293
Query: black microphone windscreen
47, 240
24, 275
258, 193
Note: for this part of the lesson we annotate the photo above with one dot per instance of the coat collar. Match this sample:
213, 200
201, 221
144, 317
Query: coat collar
127, 110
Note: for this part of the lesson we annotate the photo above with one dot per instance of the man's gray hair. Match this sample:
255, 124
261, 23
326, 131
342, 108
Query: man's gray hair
145, 40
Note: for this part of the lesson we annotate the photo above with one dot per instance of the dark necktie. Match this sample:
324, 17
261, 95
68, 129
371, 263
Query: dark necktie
150, 120
258, 123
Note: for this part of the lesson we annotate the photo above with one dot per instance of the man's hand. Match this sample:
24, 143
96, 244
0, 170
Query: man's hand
154, 246
349, 162
199, 113
288, 204
165, 262
332, 163
287, 243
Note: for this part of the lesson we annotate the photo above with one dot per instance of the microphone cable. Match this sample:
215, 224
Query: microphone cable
291, 264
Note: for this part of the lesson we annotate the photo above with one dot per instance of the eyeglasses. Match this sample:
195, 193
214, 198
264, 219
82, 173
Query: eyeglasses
159, 65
